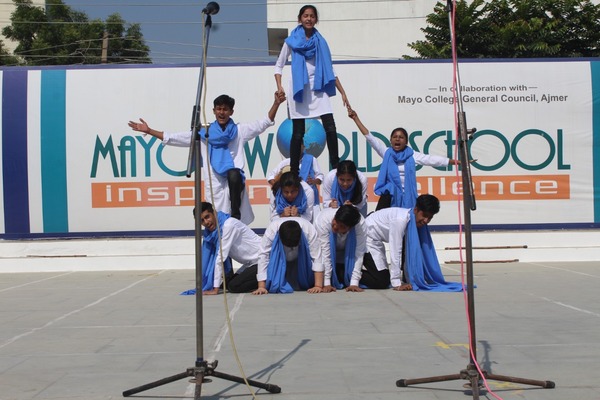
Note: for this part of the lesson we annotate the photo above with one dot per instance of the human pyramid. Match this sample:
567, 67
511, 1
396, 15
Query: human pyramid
304, 247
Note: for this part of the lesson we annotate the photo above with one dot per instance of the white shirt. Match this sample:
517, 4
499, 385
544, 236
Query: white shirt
387, 226
266, 245
220, 187
310, 202
429, 160
246, 132
324, 229
328, 183
240, 243
314, 104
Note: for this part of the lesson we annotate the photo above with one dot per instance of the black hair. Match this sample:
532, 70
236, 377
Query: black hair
224, 100
348, 215
290, 233
399, 130
348, 167
287, 179
306, 7
206, 207
428, 203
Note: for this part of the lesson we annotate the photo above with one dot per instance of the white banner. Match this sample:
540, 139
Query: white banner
87, 172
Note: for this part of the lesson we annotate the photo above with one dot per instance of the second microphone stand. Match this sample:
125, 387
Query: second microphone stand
471, 372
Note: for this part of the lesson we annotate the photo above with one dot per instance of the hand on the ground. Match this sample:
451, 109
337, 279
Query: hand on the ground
354, 288
211, 292
328, 289
261, 291
316, 289
405, 287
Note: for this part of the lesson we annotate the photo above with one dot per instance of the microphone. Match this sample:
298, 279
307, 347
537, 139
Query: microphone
211, 8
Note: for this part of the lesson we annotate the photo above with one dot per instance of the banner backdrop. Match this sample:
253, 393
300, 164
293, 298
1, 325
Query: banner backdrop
72, 167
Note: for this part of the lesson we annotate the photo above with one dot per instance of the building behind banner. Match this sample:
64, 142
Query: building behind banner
71, 167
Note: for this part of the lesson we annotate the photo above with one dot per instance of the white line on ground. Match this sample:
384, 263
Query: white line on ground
100, 300
34, 282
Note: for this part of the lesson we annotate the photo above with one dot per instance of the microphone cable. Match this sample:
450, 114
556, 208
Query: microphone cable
456, 85
212, 201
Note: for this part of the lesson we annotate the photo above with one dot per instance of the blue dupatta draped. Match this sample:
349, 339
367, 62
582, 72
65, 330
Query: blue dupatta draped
341, 195
300, 202
389, 180
276, 269
304, 49
307, 171
210, 253
218, 146
421, 263
349, 259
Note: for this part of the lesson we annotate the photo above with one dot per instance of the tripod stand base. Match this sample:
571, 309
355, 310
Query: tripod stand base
471, 374
200, 374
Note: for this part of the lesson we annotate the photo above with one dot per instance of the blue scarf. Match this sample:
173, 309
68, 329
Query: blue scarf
210, 252
218, 146
341, 195
305, 49
389, 181
276, 268
306, 171
300, 202
349, 259
421, 264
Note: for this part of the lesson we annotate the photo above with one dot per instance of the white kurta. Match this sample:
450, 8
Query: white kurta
324, 229
266, 245
220, 188
314, 104
387, 226
310, 202
240, 243
428, 160
328, 183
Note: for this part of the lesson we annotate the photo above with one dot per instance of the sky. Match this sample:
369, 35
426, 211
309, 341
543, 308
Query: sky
173, 28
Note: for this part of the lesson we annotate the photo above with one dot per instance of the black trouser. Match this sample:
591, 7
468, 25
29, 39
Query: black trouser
340, 272
236, 187
244, 281
372, 277
298, 129
385, 201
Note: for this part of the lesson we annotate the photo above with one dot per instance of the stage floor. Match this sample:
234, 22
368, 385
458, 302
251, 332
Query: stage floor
93, 335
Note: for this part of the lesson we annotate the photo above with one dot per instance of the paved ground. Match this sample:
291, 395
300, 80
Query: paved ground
93, 335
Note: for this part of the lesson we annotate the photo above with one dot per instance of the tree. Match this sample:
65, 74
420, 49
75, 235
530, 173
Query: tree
5, 57
513, 29
62, 36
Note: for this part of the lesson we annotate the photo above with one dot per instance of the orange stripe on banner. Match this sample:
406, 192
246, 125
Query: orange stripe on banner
516, 187
162, 194
168, 194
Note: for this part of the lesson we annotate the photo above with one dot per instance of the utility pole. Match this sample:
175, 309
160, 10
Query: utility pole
104, 57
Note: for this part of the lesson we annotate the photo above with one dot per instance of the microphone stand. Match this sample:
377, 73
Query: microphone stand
202, 368
471, 373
